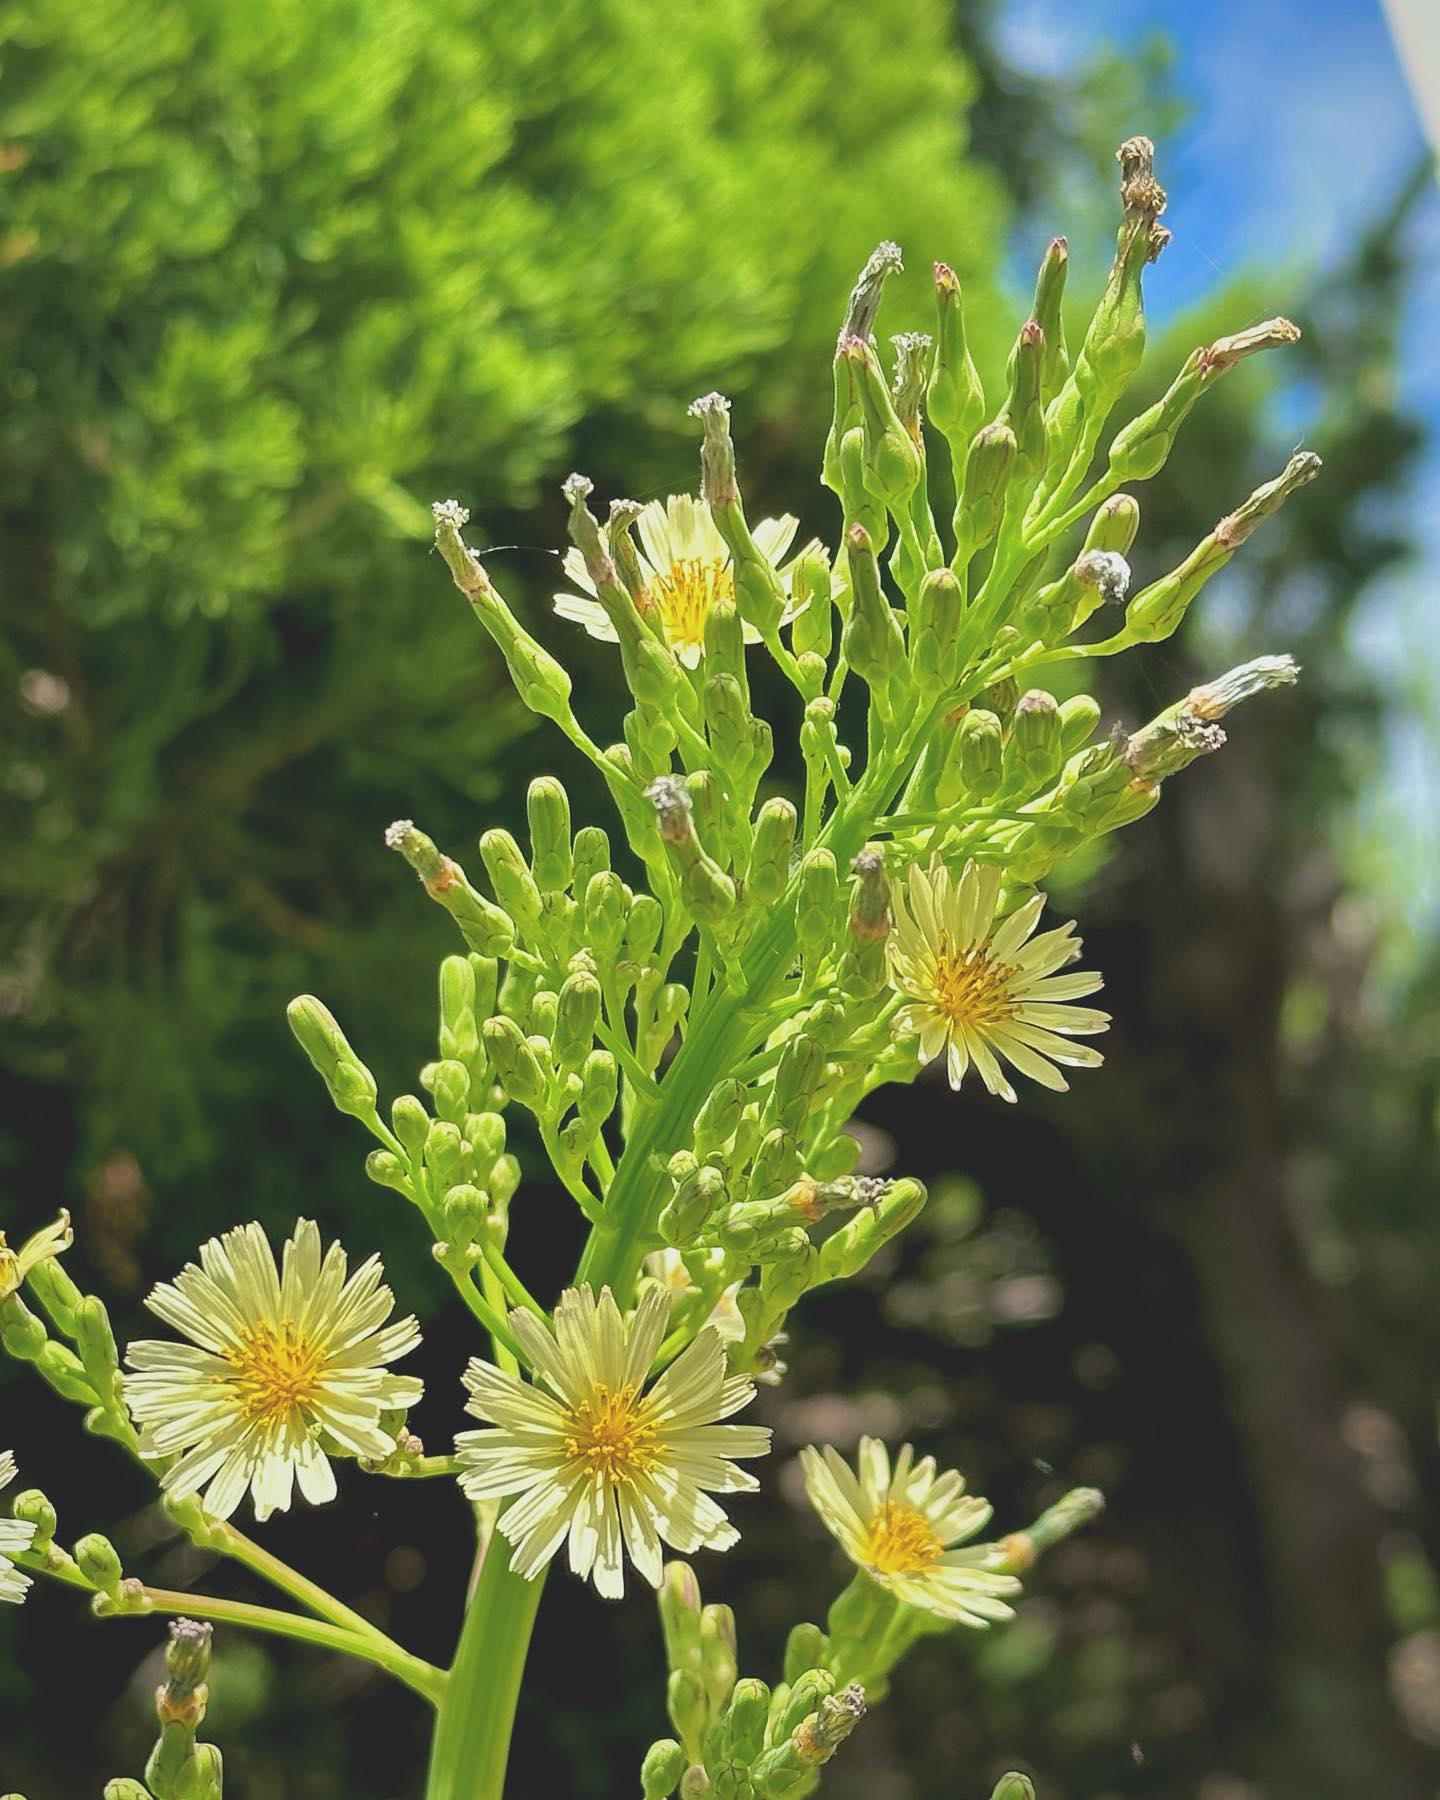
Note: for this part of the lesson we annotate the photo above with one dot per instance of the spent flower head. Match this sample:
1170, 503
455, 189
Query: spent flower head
284, 1364
15, 1265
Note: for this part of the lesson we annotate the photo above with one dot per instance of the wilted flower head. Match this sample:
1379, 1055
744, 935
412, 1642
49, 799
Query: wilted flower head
15, 1265
279, 1360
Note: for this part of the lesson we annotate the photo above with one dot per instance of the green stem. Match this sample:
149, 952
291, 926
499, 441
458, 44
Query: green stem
477, 1713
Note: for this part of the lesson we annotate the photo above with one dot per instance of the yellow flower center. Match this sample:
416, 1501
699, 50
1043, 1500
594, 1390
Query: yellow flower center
970, 989
684, 594
276, 1370
899, 1541
611, 1433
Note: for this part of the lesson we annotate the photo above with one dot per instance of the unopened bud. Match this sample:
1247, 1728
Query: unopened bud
661, 1770
956, 398
99, 1564
485, 927
548, 807
1013, 1787
980, 752
987, 475
511, 877
352, 1086
516, 1063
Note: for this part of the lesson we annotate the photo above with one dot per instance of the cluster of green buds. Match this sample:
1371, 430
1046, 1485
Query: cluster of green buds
736, 1738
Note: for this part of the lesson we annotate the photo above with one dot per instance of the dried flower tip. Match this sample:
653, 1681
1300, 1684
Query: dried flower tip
1225, 352
1213, 699
709, 406
1233, 530
1142, 195
670, 797
576, 489
187, 1658
717, 454
819, 1736
450, 512
1105, 570
885, 260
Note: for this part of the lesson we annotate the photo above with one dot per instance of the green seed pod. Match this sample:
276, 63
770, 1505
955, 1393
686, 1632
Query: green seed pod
661, 1770
510, 875
980, 751
719, 1118
576, 1016
1034, 752
1079, 715
770, 852
352, 1086
818, 911
539, 680
987, 476
806, 1648
484, 927
99, 1564
516, 1064
747, 1718
31, 1507
955, 399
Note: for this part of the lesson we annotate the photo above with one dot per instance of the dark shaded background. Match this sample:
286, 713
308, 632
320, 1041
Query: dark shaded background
271, 283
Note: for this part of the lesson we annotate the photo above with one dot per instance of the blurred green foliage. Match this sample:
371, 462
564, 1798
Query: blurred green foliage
277, 276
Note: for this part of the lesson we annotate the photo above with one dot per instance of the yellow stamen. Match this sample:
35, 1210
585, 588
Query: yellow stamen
968, 988
686, 591
899, 1541
610, 1433
277, 1370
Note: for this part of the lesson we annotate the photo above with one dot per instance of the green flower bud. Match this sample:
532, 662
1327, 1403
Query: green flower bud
956, 398
818, 909
861, 506
768, 872
797, 1075
466, 1210
590, 855
1115, 525
33, 1508
661, 1770
790, 1270
679, 1603
776, 1163
58, 1365
695, 1783
805, 1697
450, 1085
1047, 311
806, 1648
548, 808
187, 1658
351, 1085
747, 1718
459, 1037
686, 1705
605, 911
1013, 1787
707, 890
846, 1251
1115, 341
99, 1353
444, 1154
121, 1788
695, 1200
717, 1655
980, 752
987, 475
1023, 411
99, 1564
935, 634
386, 1170
759, 592
577, 1015
599, 1087
516, 1064
892, 463
810, 632
1079, 715
1034, 753
504, 1179
835, 1160
540, 681
55, 1291
719, 1118
510, 876
410, 1122
643, 927
21, 1333
873, 642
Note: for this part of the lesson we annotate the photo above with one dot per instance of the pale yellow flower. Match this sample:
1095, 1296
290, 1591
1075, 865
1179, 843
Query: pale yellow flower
587, 1452
667, 1267
15, 1265
279, 1358
686, 568
979, 991
901, 1527
15, 1536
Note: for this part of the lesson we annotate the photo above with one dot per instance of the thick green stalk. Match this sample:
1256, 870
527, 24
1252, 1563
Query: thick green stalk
476, 1716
